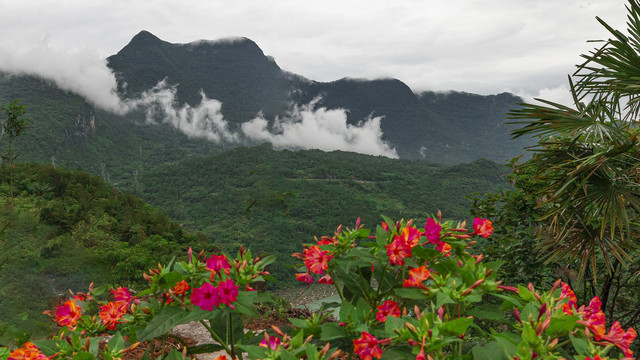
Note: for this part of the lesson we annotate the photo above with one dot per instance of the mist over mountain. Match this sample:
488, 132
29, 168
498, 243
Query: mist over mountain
229, 93
445, 128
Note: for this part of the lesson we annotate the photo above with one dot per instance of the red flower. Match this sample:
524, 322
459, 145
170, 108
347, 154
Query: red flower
432, 231
327, 280
112, 312
410, 236
206, 297
397, 251
388, 308
566, 292
181, 288
593, 317
123, 294
367, 347
416, 277
305, 277
28, 351
218, 262
621, 339
316, 260
482, 227
444, 248
68, 314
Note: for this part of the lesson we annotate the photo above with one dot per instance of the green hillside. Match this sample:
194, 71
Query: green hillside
68, 229
272, 201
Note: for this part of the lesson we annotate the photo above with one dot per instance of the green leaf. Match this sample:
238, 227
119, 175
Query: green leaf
299, 323
560, 325
254, 351
442, 298
382, 237
487, 312
244, 303
331, 331
410, 293
48, 347
457, 326
267, 260
83, 355
581, 345
4, 353
285, 355
490, 351
173, 355
204, 349
117, 342
507, 345
167, 319
169, 280
525, 294
530, 311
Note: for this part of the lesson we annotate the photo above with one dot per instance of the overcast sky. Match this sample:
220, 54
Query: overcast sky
479, 46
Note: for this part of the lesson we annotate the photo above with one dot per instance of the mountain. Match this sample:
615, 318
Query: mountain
446, 128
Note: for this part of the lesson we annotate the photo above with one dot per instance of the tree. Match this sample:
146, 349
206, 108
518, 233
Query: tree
14, 124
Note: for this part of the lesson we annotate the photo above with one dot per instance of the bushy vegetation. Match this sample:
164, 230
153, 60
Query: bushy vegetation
67, 229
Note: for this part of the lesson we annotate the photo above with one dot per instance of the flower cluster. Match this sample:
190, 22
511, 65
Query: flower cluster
28, 351
593, 318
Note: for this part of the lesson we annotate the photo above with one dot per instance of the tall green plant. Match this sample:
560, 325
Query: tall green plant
588, 156
14, 124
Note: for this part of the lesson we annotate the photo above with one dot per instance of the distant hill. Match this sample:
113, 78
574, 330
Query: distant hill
444, 128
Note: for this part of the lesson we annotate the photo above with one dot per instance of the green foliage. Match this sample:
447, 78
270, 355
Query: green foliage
67, 229
271, 200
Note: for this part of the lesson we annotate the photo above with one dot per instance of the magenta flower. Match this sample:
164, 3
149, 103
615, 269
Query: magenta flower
228, 291
217, 263
206, 297
432, 231
273, 343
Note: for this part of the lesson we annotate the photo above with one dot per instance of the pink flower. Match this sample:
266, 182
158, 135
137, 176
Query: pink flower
218, 262
594, 318
482, 227
367, 347
305, 277
206, 297
68, 314
273, 343
388, 308
316, 260
432, 231
122, 294
228, 291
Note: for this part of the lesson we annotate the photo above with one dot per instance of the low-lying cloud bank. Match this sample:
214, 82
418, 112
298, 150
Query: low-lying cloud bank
304, 127
308, 128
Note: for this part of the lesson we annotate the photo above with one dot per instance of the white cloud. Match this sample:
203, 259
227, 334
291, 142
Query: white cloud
205, 120
559, 94
77, 70
306, 128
